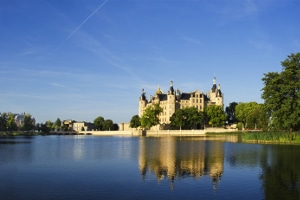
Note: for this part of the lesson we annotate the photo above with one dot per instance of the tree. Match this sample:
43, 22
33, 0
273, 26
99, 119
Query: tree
252, 115
28, 124
45, 128
187, 118
114, 127
257, 117
38, 127
230, 113
99, 123
3, 121
194, 118
57, 124
135, 121
11, 124
281, 93
216, 115
49, 125
150, 116
242, 112
107, 125
178, 119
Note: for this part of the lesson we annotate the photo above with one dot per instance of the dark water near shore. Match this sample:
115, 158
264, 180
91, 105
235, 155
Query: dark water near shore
91, 167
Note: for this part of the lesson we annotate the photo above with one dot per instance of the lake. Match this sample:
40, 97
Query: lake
98, 167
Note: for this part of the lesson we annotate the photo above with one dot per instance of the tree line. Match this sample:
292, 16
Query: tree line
250, 115
99, 124
8, 123
187, 118
280, 110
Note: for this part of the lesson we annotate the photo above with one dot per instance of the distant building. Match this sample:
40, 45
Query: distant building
174, 100
67, 124
82, 126
19, 119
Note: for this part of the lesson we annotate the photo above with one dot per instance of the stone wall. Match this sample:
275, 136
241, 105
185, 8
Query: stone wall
159, 132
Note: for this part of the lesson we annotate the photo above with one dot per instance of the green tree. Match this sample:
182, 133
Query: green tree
150, 116
99, 123
114, 127
230, 113
38, 127
11, 124
107, 125
243, 112
257, 117
194, 118
49, 125
216, 115
187, 118
281, 93
135, 121
252, 115
57, 124
3, 121
28, 124
179, 119
44, 128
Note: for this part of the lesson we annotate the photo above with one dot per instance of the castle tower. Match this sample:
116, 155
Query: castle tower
171, 103
142, 103
215, 94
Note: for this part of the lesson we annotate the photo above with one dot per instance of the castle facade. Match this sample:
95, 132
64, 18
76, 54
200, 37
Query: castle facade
174, 100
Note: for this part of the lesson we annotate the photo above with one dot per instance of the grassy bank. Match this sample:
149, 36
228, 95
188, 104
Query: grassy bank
18, 133
272, 137
224, 133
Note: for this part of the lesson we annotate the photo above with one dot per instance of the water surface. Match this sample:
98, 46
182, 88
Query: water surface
95, 167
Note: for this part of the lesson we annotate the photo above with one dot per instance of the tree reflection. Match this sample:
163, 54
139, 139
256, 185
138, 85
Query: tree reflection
281, 172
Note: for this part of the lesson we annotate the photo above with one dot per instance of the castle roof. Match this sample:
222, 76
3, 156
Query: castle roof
185, 96
162, 97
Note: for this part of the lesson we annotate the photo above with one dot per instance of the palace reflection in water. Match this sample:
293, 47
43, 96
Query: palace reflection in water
77, 167
171, 157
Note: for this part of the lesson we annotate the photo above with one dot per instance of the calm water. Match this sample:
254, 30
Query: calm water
91, 167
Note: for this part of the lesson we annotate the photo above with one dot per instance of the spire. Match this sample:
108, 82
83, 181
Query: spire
171, 88
158, 91
143, 97
214, 87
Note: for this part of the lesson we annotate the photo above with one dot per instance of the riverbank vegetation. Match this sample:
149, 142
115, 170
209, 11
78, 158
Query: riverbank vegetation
19, 133
271, 137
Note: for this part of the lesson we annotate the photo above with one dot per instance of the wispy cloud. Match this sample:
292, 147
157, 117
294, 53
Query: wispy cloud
82, 23
236, 9
191, 40
30, 96
58, 85
94, 46
27, 52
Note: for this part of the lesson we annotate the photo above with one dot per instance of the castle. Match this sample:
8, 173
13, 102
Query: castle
174, 100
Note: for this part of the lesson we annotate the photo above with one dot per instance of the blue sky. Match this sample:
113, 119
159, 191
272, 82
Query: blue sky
79, 59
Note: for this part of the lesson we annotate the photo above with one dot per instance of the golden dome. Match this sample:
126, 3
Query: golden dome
158, 91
